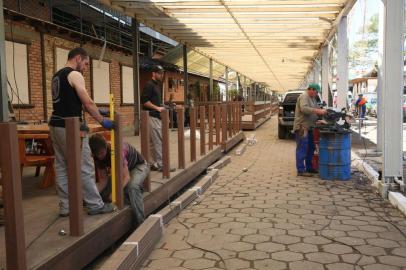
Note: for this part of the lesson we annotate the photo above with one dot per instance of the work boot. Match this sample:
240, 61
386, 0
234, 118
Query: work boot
107, 208
313, 171
305, 174
159, 168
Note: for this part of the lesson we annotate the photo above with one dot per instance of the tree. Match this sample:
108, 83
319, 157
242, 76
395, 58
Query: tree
363, 54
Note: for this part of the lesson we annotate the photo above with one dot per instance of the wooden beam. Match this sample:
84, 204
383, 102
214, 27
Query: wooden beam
74, 157
224, 123
12, 197
202, 130
166, 166
145, 151
210, 122
181, 137
118, 137
192, 134
218, 123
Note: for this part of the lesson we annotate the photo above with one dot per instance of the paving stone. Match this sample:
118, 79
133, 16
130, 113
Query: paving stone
337, 249
303, 248
232, 225
165, 263
322, 257
253, 255
352, 241
383, 243
287, 256
198, 263
399, 251
340, 266
272, 231
305, 265
160, 254
188, 254
270, 247
221, 220
255, 238
300, 232
351, 258
205, 225
362, 234
317, 240
371, 250
176, 245
393, 260
366, 260
269, 264
243, 231
238, 246
236, 264
285, 239
380, 267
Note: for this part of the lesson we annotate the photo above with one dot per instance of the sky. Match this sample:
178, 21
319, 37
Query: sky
361, 12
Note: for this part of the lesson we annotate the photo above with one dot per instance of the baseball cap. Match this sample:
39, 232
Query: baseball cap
314, 86
157, 68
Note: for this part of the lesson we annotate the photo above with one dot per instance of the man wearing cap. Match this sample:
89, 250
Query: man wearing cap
305, 117
361, 106
151, 100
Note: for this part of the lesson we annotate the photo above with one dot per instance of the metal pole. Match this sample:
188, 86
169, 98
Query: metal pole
379, 124
4, 117
136, 76
185, 77
342, 64
324, 73
392, 93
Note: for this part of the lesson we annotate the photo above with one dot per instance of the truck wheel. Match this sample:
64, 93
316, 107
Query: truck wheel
281, 132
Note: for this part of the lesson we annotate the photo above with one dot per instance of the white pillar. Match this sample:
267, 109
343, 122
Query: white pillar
324, 73
342, 64
316, 75
379, 126
393, 92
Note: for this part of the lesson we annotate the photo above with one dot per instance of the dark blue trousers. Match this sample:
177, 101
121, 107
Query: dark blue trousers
304, 151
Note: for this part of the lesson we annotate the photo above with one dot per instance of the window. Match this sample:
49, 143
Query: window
127, 84
17, 72
61, 56
101, 81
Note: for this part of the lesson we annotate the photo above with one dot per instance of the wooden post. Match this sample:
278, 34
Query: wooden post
236, 117
165, 144
202, 130
229, 120
239, 116
118, 142
12, 198
144, 128
224, 123
192, 134
181, 137
218, 123
74, 157
211, 127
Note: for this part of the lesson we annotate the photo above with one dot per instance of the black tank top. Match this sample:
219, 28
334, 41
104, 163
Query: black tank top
66, 102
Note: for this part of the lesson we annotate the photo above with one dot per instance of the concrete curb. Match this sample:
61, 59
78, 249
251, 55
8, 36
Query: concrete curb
395, 198
241, 149
220, 164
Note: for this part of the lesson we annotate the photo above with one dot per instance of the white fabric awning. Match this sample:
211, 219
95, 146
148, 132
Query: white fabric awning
269, 41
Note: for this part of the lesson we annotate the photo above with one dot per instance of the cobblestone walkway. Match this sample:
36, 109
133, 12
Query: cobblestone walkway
268, 218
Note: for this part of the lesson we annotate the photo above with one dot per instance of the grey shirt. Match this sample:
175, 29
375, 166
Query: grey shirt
304, 116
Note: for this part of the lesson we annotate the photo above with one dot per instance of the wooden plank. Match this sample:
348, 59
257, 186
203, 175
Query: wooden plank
165, 144
218, 123
233, 141
229, 120
211, 127
73, 154
224, 123
181, 137
145, 152
202, 130
192, 134
118, 137
12, 198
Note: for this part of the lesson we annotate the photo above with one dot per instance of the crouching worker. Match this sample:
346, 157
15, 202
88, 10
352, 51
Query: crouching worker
135, 171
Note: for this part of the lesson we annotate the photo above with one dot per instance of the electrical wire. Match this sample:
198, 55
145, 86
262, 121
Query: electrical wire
14, 69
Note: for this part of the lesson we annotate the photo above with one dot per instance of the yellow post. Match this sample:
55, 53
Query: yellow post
113, 151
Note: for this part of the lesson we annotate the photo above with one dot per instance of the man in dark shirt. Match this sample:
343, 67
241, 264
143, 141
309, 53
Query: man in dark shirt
135, 171
69, 96
151, 99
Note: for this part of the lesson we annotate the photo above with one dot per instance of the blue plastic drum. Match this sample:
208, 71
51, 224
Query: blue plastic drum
335, 156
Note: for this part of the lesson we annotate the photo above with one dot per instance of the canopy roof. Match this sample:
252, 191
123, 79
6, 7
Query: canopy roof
269, 41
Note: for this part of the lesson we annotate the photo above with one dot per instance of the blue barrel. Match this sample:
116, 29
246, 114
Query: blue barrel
335, 156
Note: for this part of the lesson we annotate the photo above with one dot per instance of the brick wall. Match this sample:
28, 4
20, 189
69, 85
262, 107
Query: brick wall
34, 8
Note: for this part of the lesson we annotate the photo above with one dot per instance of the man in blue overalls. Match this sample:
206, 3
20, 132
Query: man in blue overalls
305, 117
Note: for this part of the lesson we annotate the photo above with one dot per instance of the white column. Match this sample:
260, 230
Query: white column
342, 64
379, 127
393, 91
325, 65
316, 75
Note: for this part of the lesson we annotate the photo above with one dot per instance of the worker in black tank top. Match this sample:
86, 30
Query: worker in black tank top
69, 96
